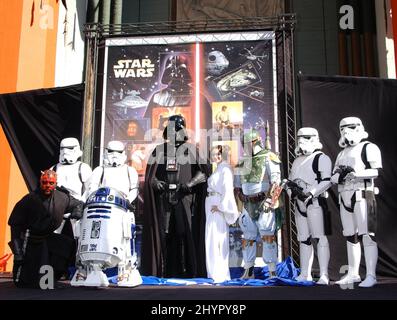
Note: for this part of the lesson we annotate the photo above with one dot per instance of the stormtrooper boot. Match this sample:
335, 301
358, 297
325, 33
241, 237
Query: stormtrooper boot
306, 262
323, 260
353, 258
371, 258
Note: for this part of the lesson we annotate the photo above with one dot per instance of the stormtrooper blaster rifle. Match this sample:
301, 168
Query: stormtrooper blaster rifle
296, 190
273, 196
344, 172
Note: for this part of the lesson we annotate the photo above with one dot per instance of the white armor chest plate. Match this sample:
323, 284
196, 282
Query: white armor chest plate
117, 178
68, 177
302, 172
351, 157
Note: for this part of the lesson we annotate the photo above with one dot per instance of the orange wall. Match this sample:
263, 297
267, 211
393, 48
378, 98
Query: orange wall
10, 28
28, 33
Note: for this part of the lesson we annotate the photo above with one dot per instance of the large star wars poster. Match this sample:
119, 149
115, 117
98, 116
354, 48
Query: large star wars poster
221, 84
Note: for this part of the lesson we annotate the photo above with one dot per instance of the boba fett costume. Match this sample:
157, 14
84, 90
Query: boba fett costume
257, 172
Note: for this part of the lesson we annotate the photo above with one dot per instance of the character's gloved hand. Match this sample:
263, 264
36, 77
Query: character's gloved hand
16, 248
343, 172
292, 193
185, 188
293, 189
77, 212
158, 185
197, 179
18, 260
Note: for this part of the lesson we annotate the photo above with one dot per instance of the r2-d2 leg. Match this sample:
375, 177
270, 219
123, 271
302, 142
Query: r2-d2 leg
250, 231
128, 274
80, 275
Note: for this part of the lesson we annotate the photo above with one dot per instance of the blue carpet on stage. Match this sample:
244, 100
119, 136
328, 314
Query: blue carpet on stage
286, 272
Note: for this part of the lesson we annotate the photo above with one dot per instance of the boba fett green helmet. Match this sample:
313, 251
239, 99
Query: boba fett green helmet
252, 136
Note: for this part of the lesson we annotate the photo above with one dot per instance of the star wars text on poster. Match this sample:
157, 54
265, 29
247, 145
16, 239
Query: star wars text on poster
134, 68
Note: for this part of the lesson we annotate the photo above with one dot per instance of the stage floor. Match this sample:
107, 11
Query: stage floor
385, 290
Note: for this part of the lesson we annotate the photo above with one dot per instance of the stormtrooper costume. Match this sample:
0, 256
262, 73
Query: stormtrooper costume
72, 174
252, 188
309, 178
116, 174
356, 167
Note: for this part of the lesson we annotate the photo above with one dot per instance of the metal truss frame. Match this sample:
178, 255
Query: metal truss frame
282, 27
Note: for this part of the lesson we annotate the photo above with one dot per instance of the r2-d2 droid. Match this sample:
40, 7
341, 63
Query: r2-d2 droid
106, 234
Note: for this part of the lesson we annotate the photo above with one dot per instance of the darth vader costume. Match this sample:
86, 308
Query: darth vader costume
174, 216
33, 241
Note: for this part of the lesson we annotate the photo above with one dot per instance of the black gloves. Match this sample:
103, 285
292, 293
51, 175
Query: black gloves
77, 211
198, 178
16, 248
185, 188
158, 185
343, 172
296, 190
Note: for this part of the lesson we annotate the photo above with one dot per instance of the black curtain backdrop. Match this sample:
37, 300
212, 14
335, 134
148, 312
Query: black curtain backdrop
36, 121
324, 101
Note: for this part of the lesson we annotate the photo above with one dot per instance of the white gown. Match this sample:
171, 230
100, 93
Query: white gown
220, 189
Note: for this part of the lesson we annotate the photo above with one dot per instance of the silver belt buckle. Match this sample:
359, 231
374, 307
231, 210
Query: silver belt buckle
172, 187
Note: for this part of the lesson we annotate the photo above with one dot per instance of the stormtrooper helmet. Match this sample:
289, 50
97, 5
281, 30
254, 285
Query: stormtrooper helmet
69, 151
308, 142
115, 154
352, 132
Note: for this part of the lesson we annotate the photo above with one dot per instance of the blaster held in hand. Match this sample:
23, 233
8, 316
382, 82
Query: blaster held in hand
296, 190
343, 172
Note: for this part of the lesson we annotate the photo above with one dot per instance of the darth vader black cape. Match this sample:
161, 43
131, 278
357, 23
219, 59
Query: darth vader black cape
191, 207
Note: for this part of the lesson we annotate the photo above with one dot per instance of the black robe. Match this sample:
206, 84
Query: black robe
160, 251
42, 216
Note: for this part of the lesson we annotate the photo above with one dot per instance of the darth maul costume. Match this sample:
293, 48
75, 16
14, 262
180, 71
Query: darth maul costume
33, 241
174, 217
